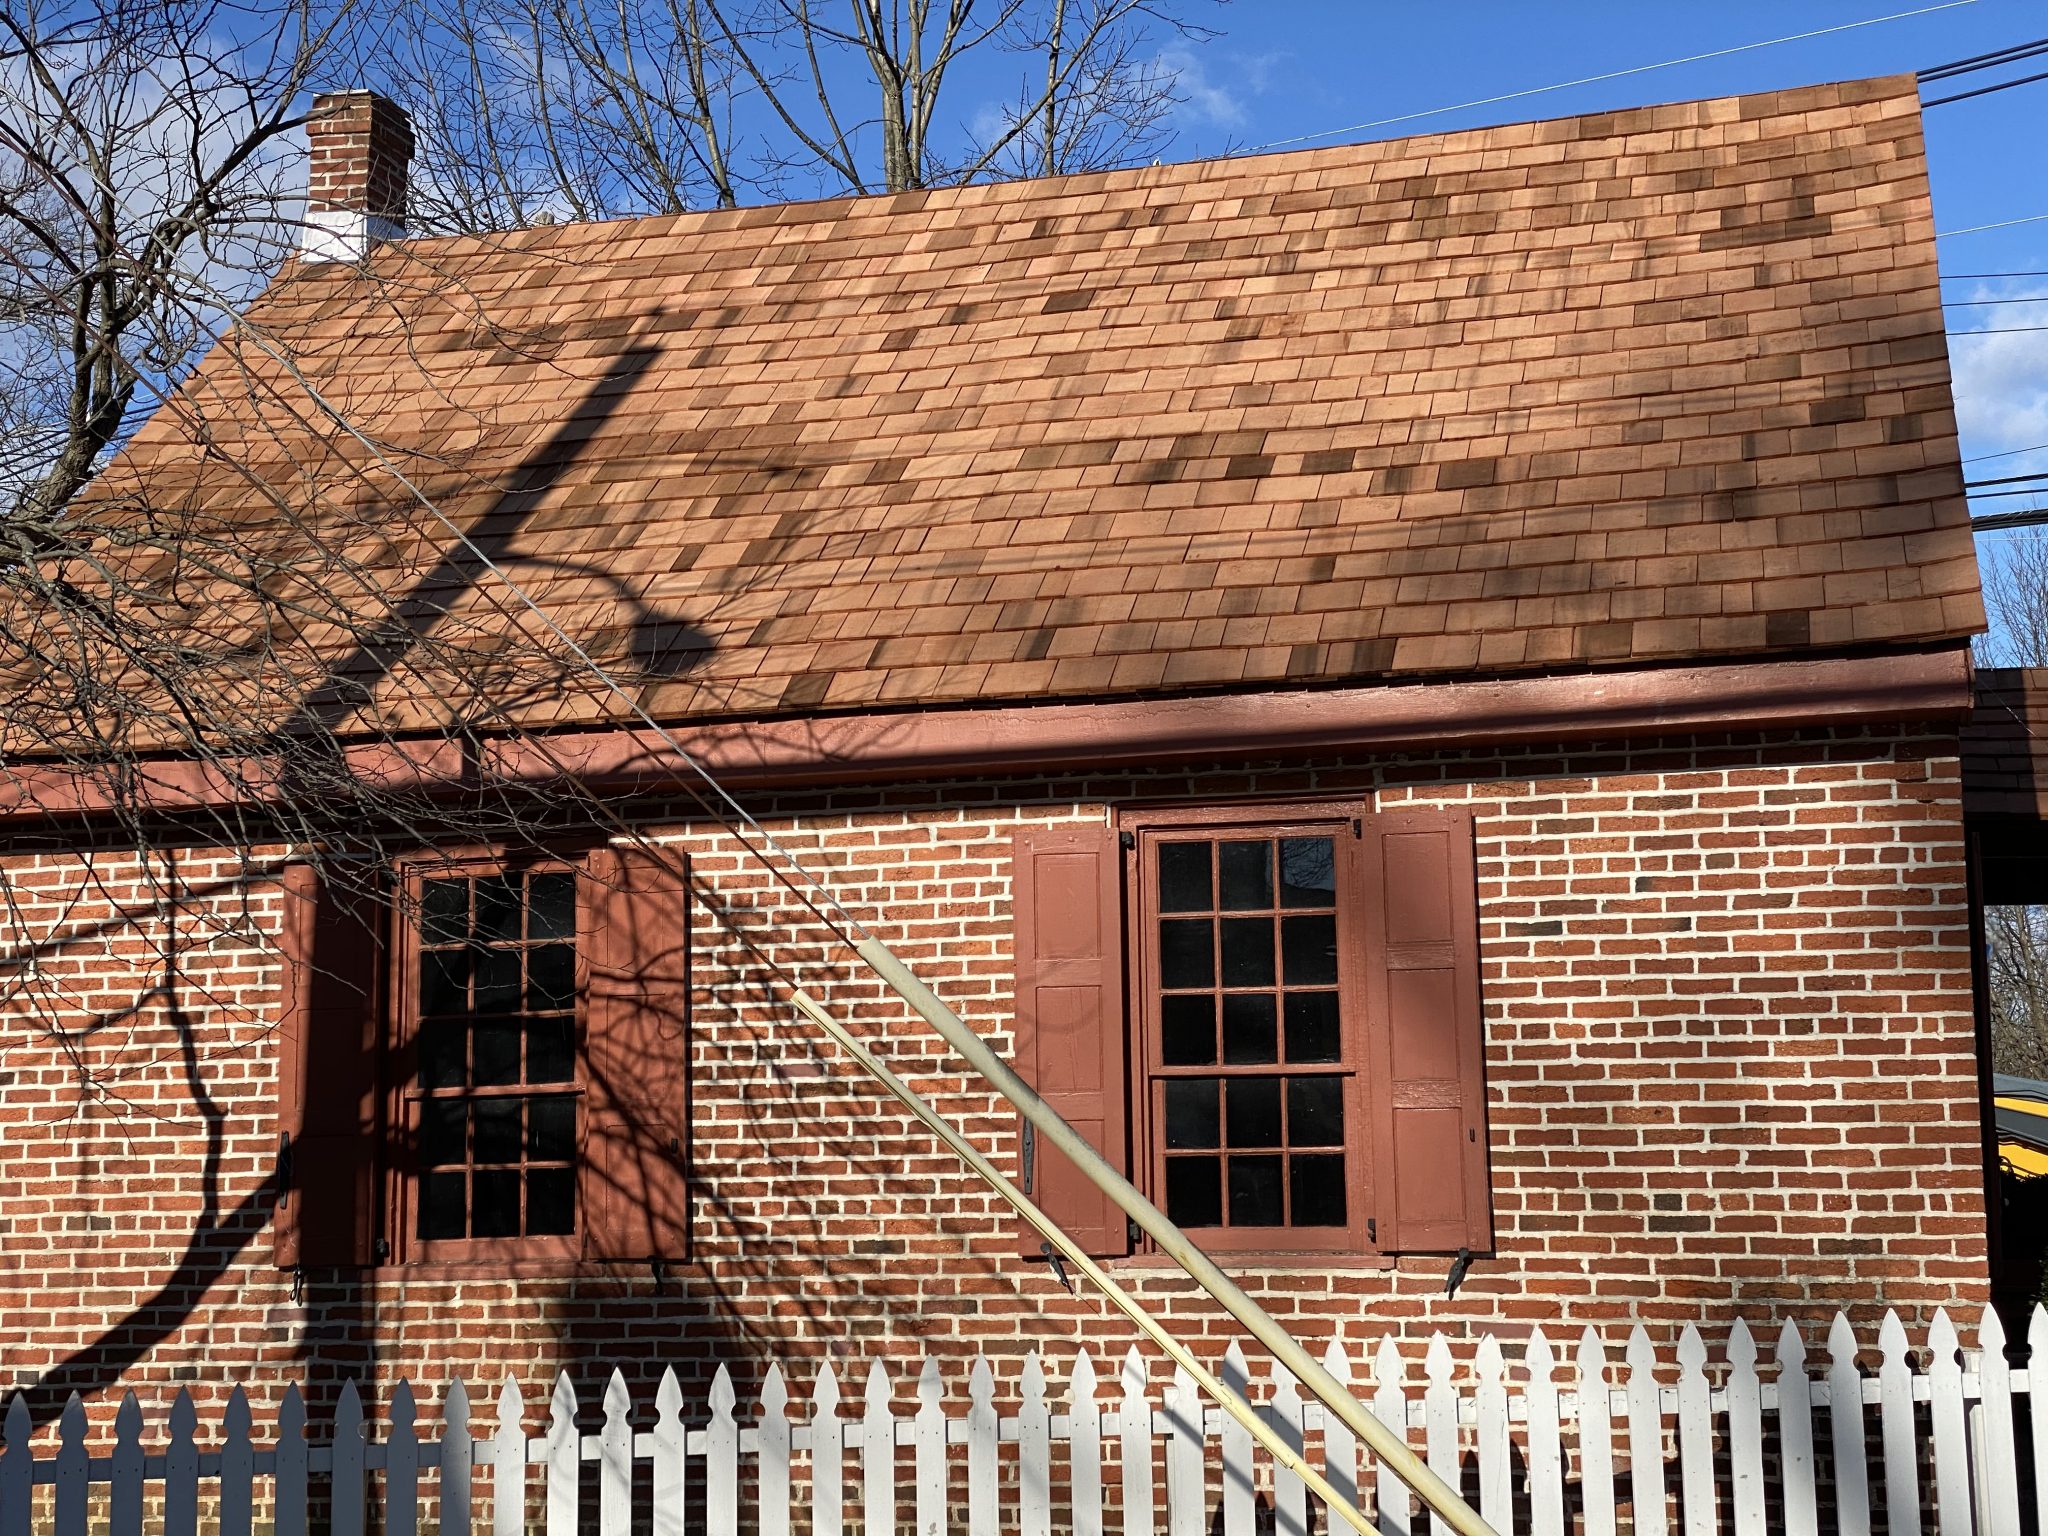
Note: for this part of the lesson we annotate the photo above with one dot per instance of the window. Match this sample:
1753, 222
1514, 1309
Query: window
489, 1016
1249, 1070
1268, 1016
491, 1067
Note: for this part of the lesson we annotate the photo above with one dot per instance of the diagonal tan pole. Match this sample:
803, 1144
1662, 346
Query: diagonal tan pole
1392, 1450
1232, 1403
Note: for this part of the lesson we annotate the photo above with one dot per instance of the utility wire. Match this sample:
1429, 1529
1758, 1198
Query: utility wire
1617, 74
1977, 61
1979, 458
2032, 218
1983, 90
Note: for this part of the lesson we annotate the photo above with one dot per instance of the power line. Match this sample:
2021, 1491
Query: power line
1979, 458
2039, 298
1984, 277
1977, 61
1983, 90
1617, 74
1998, 330
2032, 218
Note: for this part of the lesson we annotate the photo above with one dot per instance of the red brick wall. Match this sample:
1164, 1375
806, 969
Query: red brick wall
1729, 1049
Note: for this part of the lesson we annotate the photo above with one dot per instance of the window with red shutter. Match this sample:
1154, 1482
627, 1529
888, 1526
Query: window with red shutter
1305, 1031
523, 1096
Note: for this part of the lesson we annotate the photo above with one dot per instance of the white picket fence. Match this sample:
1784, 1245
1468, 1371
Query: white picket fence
1943, 1439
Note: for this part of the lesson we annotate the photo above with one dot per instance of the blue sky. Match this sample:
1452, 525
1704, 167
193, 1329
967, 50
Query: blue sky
1282, 69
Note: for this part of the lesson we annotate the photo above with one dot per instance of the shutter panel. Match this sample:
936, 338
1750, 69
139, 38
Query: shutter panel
330, 1038
634, 935
1066, 885
1425, 1037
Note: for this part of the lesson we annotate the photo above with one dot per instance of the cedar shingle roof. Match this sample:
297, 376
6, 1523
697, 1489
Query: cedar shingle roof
1635, 387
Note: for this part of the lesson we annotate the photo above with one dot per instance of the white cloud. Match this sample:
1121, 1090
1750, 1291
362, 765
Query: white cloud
2001, 378
1209, 101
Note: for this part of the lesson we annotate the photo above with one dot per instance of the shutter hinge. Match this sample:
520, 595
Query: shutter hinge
380, 1250
284, 1167
1357, 827
1460, 1266
1029, 1154
660, 1277
1131, 1233
1127, 840
298, 1284
1372, 1230
1051, 1255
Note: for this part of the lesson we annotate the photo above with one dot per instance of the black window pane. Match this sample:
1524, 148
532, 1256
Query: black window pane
497, 1130
551, 1129
444, 1055
494, 1203
550, 977
1308, 872
1194, 1191
1315, 1111
444, 981
441, 1126
497, 980
1255, 1192
1312, 1027
550, 1201
497, 908
497, 1054
551, 907
1186, 957
1184, 877
441, 1205
1250, 1034
1187, 1030
1309, 945
1191, 1112
444, 911
1247, 951
1245, 872
1316, 1188
1252, 1111
550, 1051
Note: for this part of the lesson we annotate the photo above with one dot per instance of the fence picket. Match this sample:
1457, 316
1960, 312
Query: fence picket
402, 1464
1596, 1436
1695, 1436
350, 1486
1290, 1495
1135, 1432
928, 1434
456, 1457
1440, 1420
1034, 1453
1645, 1438
290, 1487
17, 1467
828, 1458
1745, 1432
1390, 1407
508, 1463
2001, 1486
181, 1469
1901, 1452
1084, 1448
2037, 1411
1187, 1493
1340, 1445
878, 1457
564, 1459
1851, 1445
1951, 1437
1490, 1435
615, 1461
238, 1468
721, 1460
1546, 1445
73, 1469
982, 1517
1238, 1487
1795, 1434
772, 1467
671, 1458
124, 1472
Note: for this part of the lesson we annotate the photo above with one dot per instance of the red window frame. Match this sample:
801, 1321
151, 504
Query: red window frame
404, 1095
1340, 821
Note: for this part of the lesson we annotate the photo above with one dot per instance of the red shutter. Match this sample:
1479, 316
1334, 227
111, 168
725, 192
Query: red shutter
634, 933
1426, 1042
330, 1037
1070, 1018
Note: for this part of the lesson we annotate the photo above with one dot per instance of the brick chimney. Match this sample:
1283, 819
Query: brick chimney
361, 145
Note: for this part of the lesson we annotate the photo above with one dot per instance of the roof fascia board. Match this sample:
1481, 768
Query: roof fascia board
1586, 708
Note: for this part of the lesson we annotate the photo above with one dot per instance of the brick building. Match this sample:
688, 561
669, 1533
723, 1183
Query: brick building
1415, 688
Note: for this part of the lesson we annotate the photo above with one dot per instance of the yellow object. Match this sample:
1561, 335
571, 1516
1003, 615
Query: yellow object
2024, 1159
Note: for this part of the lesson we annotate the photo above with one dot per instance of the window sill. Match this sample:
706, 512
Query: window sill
1245, 1261
445, 1271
